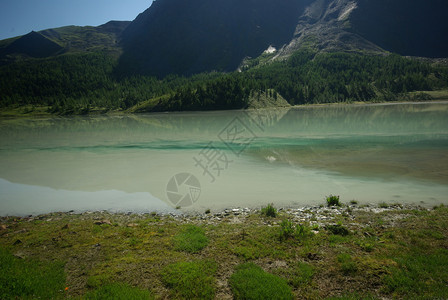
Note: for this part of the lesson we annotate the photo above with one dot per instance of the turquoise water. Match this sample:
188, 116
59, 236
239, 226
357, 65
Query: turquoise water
290, 157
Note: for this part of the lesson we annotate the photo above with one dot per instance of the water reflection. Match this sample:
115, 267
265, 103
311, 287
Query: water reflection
294, 156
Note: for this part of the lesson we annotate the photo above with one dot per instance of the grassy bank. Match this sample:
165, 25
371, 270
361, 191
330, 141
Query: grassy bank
346, 252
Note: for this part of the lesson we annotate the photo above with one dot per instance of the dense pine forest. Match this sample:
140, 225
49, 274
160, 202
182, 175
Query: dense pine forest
79, 83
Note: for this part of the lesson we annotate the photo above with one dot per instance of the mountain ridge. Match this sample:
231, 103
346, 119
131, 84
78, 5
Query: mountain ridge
185, 38
66, 39
213, 54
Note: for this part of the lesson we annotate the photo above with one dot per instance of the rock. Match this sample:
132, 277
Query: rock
103, 222
3, 227
19, 255
133, 225
312, 256
20, 231
279, 264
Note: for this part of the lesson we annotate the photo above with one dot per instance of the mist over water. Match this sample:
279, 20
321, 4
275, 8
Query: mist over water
290, 157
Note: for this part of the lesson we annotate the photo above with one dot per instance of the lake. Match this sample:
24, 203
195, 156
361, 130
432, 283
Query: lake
214, 160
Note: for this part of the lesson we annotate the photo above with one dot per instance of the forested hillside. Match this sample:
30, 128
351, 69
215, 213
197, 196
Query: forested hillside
77, 83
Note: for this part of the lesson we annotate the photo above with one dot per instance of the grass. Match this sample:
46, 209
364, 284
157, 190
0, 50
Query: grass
383, 205
347, 264
391, 254
418, 274
191, 239
333, 201
190, 280
337, 229
29, 278
117, 291
269, 211
251, 282
289, 231
300, 275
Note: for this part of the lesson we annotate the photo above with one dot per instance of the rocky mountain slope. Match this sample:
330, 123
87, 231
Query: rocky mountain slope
188, 37
175, 36
68, 39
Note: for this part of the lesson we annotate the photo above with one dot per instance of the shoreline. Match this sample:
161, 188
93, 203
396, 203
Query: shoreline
41, 113
305, 213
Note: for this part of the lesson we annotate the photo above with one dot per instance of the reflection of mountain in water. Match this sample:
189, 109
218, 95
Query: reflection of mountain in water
387, 141
380, 141
187, 129
300, 151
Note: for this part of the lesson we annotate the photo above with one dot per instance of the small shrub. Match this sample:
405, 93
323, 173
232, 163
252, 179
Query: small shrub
302, 231
288, 230
366, 246
190, 280
191, 239
252, 282
383, 205
269, 211
96, 281
118, 291
337, 229
333, 201
353, 202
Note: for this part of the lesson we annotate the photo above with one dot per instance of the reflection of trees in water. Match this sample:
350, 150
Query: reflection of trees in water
405, 123
366, 118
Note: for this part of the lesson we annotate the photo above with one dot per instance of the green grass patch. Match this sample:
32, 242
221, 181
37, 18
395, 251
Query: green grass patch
383, 205
333, 201
191, 239
30, 279
419, 274
117, 291
252, 282
191, 280
299, 275
337, 229
289, 231
347, 264
269, 211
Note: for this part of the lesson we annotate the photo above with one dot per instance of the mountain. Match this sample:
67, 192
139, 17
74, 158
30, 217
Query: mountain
33, 44
263, 51
187, 37
414, 28
68, 39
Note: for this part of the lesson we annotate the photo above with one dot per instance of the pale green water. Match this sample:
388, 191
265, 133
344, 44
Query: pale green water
391, 153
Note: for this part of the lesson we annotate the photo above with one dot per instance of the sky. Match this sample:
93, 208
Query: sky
19, 17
